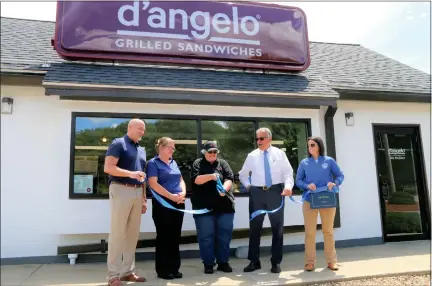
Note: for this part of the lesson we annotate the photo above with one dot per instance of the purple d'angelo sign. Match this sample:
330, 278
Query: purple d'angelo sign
236, 34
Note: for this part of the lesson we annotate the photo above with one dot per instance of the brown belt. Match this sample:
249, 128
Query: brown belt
127, 185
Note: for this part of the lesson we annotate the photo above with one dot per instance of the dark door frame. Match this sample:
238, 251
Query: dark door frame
420, 168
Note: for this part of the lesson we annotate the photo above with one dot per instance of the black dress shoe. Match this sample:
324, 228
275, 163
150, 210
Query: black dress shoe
224, 267
178, 275
252, 266
275, 268
208, 269
167, 276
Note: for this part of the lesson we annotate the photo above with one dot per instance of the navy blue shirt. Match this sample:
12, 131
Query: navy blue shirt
319, 172
169, 175
131, 157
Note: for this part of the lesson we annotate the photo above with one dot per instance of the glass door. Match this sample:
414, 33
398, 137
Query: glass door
402, 186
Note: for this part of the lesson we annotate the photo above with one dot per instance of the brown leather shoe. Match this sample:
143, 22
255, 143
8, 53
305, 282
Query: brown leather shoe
309, 267
332, 266
133, 277
115, 282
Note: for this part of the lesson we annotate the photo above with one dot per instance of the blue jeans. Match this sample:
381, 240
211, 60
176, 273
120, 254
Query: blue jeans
214, 236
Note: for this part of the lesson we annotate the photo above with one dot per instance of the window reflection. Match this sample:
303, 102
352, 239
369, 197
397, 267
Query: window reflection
92, 138
290, 137
235, 138
183, 132
94, 135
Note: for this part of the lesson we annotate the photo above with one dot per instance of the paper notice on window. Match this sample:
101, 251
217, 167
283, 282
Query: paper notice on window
83, 184
86, 164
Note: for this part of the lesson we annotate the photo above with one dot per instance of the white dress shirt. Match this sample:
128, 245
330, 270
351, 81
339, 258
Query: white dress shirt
280, 168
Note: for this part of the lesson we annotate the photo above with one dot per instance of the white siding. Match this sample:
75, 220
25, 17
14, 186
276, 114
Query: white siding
37, 214
360, 210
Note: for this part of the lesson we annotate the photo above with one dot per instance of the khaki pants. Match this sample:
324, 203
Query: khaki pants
310, 221
126, 207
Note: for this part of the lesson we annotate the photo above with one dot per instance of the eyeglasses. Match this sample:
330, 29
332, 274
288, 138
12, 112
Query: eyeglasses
260, 138
212, 152
170, 147
312, 145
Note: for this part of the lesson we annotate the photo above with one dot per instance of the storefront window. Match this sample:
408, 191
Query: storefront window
93, 136
184, 133
235, 137
290, 137
235, 140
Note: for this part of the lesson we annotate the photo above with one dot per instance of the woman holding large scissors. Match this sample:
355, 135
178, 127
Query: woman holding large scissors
214, 229
318, 171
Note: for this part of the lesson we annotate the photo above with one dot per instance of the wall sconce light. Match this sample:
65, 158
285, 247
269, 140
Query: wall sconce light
349, 119
6, 105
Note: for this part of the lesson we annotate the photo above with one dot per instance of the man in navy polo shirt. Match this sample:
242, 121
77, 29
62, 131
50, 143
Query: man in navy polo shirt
125, 163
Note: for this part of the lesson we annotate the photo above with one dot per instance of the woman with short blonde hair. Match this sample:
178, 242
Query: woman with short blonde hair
165, 178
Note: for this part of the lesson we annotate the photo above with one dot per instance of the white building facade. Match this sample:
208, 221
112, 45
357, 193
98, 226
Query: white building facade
49, 155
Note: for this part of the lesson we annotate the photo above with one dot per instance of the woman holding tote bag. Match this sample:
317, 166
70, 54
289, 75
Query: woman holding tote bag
318, 172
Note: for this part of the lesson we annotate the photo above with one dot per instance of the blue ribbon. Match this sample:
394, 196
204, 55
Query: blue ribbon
317, 190
220, 188
164, 203
335, 189
169, 206
260, 212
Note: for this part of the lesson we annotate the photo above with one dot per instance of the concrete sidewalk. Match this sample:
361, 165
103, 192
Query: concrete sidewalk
356, 262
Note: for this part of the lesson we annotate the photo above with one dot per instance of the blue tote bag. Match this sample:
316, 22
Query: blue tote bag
323, 198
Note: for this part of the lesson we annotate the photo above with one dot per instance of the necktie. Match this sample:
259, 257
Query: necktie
268, 179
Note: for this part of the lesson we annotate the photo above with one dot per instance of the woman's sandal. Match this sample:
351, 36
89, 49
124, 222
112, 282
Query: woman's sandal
332, 266
309, 267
